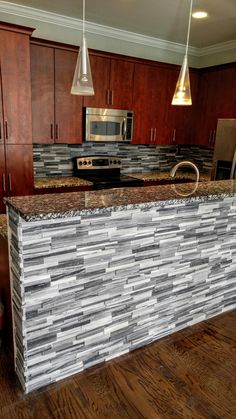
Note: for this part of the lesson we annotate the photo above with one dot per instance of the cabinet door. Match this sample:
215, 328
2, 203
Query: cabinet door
100, 69
15, 70
68, 107
121, 84
179, 119
42, 82
149, 104
143, 129
19, 164
2, 178
158, 100
227, 92
1, 113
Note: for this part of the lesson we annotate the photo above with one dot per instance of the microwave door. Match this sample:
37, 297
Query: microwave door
104, 128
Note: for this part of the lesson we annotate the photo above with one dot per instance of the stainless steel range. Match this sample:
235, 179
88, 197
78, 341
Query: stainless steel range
103, 171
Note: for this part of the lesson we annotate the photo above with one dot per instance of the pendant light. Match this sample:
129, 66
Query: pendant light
82, 82
182, 95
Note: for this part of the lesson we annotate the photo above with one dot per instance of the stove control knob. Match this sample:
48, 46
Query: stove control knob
89, 162
114, 161
85, 162
119, 162
80, 163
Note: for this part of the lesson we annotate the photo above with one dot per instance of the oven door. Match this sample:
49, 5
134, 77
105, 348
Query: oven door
105, 128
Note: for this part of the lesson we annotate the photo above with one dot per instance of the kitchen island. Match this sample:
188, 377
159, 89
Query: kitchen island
97, 274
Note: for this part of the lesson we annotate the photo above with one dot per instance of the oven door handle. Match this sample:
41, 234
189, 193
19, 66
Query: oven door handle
124, 129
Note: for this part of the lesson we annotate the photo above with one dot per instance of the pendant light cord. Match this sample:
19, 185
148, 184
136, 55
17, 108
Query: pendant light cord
189, 23
84, 18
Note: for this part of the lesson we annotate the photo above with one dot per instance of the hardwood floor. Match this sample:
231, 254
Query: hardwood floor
190, 374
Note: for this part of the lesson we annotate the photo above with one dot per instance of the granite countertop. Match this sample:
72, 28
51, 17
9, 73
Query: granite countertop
3, 226
50, 206
165, 175
60, 182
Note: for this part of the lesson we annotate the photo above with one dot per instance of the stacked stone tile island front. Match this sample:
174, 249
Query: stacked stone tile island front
97, 274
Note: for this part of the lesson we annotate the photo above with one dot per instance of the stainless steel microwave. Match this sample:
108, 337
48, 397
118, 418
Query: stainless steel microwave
108, 125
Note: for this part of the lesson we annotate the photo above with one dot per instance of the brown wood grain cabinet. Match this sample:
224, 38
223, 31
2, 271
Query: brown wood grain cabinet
16, 156
57, 115
150, 98
16, 171
179, 119
216, 99
113, 83
16, 93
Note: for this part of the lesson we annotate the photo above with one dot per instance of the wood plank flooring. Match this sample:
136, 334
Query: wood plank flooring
190, 374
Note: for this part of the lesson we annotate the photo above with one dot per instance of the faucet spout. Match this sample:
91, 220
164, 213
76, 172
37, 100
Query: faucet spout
184, 163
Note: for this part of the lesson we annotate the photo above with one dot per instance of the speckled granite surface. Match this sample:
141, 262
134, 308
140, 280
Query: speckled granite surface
3, 226
165, 175
60, 182
51, 206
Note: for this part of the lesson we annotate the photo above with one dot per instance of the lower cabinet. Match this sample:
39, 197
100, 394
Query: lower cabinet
16, 171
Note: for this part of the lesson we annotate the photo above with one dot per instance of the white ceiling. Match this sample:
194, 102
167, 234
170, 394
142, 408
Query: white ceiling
163, 19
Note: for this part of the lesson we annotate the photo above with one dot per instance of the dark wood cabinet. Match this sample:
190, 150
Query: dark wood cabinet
68, 107
150, 93
42, 84
57, 115
113, 82
1, 114
16, 93
19, 165
179, 119
216, 99
16, 156
16, 171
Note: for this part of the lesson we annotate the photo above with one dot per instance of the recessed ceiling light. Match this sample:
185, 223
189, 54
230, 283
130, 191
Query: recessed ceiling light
199, 15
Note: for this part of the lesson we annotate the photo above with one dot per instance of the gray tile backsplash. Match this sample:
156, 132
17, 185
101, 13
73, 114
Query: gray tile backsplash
55, 160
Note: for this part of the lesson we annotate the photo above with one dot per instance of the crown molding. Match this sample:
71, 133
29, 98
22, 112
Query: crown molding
93, 28
218, 48
109, 32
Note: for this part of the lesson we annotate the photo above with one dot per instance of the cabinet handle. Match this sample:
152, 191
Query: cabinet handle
9, 181
173, 136
210, 137
213, 136
6, 130
57, 132
108, 96
155, 134
3, 182
151, 135
51, 131
0, 131
111, 100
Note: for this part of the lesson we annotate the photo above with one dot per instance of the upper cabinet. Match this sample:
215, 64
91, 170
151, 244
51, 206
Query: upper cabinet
146, 87
113, 83
57, 115
16, 156
216, 99
179, 119
149, 104
15, 106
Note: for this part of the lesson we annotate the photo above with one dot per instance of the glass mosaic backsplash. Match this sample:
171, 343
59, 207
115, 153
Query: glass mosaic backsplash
55, 160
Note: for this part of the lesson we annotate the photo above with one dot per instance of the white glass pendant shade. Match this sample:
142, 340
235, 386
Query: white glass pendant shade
182, 95
82, 82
